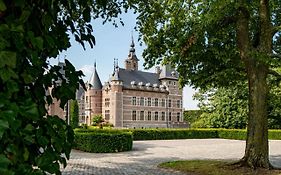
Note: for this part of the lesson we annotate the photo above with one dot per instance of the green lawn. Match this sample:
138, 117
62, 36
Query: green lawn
213, 167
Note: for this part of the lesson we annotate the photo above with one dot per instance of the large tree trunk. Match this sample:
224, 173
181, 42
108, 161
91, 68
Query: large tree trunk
256, 153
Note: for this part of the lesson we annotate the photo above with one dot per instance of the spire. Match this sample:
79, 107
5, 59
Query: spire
132, 49
95, 82
132, 54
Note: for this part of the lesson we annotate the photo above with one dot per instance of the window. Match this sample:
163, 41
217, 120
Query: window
169, 82
86, 99
170, 116
149, 115
170, 103
142, 115
134, 101
178, 103
163, 116
178, 116
134, 115
107, 114
163, 102
142, 101
174, 83
138, 101
148, 101
156, 102
156, 116
107, 102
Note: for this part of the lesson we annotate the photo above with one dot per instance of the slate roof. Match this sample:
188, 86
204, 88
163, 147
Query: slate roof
95, 82
127, 76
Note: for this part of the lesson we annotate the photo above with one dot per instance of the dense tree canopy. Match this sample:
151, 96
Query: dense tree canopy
227, 107
217, 43
32, 32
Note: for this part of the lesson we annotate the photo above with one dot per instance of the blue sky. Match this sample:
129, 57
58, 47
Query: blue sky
111, 42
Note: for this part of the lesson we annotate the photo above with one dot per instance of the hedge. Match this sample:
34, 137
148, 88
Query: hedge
116, 140
165, 134
103, 142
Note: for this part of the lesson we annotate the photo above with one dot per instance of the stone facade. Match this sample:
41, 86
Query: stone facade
131, 98
136, 99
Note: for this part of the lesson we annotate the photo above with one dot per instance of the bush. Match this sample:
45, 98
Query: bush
165, 134
236, 134
102, 141
274, 134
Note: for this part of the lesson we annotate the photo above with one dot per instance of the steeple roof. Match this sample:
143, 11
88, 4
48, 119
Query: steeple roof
95, 82
132, 53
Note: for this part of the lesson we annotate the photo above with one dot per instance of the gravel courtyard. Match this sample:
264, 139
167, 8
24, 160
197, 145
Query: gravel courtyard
146, 155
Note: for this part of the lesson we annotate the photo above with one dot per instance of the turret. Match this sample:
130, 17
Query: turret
93, 96
131, 63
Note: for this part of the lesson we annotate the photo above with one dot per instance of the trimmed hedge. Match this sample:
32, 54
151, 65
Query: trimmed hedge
166, 134
116, 140
103, 141
236, 134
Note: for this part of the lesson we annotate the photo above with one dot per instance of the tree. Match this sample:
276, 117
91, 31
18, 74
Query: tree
74, 113
215, 43
97, 120
225, 107
32, 32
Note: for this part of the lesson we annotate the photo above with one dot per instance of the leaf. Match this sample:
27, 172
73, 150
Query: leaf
3, 126
8, 58
38, 42
87, 14
2, 6
4, 161
24, 16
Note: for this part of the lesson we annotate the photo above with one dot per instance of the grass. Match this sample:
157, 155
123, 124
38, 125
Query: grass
214, 167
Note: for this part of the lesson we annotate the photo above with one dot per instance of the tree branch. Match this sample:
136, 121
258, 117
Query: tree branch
276, 74
276, 29
275, 56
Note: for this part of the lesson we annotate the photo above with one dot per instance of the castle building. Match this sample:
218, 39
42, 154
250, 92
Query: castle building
135, 99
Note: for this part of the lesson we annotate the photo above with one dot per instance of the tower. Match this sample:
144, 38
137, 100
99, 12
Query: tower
117, 97
93, 97
131, 63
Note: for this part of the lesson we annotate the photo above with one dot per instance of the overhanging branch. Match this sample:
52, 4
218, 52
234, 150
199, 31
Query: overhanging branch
276, 29
276, 74
275, 56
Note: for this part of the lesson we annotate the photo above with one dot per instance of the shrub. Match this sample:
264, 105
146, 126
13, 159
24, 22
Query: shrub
236, 134
102, 141
97, 119
274, 134
165, 134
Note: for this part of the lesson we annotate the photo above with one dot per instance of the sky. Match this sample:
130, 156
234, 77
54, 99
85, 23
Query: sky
112, 42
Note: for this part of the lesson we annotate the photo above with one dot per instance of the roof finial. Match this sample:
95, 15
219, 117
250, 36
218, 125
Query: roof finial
95, 64
133, 43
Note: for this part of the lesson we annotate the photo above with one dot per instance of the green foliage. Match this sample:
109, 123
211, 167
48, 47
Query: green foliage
166, 134
32, 32
227, 107
74, 113
97, 119
215, 44
103, 141
191, 116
